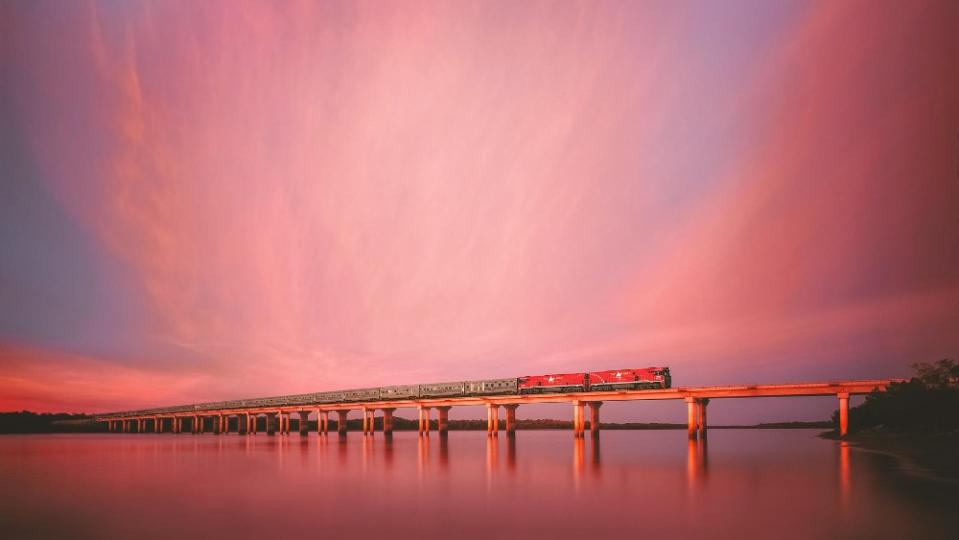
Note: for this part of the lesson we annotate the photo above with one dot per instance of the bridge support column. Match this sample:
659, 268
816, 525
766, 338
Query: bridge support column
492, 419
594, 417
388, 422
843, 413
305, 423
443, 421
692, 417
425, 421
253, 418
323, 422
579, 418
341, 422
242, 423
271, 423
510, 420
367, 421
703, 404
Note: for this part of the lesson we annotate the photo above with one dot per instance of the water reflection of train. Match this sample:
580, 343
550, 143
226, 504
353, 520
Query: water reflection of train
593, 381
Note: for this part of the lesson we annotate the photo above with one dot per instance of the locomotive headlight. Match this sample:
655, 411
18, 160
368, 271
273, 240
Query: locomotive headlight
550, 379
618, 374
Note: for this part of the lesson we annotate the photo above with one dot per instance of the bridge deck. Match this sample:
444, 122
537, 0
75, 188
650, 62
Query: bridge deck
855, 387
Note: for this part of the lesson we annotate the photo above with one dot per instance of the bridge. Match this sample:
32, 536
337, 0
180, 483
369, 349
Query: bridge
199, 417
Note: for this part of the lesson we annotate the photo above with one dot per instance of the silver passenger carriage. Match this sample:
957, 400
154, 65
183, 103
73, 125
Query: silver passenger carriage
444, 389
406, 391
362, 394
493, 386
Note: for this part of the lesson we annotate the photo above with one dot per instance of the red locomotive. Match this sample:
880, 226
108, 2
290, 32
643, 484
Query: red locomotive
561, 382
595, 381
630, 379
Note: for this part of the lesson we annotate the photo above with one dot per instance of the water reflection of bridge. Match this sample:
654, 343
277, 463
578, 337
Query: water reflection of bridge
277, 418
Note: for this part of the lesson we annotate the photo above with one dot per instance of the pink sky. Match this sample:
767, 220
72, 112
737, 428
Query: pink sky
238, 199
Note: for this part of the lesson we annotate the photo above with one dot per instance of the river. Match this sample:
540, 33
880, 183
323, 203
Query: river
542, 484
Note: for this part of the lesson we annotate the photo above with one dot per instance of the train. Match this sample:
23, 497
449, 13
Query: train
593, 381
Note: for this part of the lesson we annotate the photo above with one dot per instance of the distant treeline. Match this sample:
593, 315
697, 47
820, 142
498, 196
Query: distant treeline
30, 422
926, 403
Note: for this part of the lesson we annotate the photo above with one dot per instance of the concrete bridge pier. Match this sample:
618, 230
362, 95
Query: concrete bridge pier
322, 422
341, 422
242, 423
305, 423
271, 423
692, 417
253, 419
367, 421
443, 421
579, 418
388, 422
510, 420
843, 413
424, 420
492, 419
594, 417
702, 425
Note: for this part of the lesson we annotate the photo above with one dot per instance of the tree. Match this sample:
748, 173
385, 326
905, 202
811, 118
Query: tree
927, 402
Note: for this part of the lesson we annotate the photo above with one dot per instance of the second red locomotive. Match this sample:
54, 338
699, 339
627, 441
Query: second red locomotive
614, 379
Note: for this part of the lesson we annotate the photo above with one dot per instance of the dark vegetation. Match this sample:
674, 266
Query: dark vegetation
917, 420
929, 402
31, 422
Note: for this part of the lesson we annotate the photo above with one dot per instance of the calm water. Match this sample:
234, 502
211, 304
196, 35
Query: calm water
788, 484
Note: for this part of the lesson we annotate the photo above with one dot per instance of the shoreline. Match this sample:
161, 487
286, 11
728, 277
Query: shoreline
933, 456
